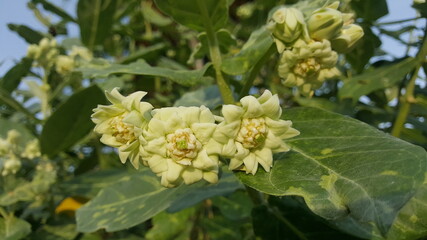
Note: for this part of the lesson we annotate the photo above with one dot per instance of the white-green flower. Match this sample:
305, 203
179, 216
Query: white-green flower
308, 65
44, 53
178, 145
251, 133
64, 64
122, 122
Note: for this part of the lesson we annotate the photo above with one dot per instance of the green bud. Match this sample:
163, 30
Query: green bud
325, 23
287, 24
349, 36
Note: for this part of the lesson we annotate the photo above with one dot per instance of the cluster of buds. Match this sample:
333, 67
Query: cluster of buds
46, 55
309, 47
184, 144
11, 152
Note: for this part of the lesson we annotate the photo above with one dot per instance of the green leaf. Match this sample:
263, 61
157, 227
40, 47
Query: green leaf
13, 77
95, 18
167, 226
380, 78
55, 9
351, 173
221, 228
143, 53
71, 121
128, 203
13, 228
411, 223
89, 184
289, 217
254, 49
28, 34
370, 10
208, 96
140, 67
421, 7
196, 14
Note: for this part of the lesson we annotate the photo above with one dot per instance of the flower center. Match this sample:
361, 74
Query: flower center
307, 67
183, 146
252, 133
123, 132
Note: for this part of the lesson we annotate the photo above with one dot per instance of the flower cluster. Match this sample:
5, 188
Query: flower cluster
11, 152
184, 144
309, 47
46, 55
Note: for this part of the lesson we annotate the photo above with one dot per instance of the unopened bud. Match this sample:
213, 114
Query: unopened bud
349, 36
325, 23
287, 24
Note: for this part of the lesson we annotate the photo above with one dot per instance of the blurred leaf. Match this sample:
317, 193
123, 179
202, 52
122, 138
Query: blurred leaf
56, 232
71, 121
172, 226
6, 125
370, 10
128, 203
364, 50
13, 77
199, 15
254, 49
221, 228
153, 16
351, 174
55, 9
95, 18
237, 206
379, 78
13, 228
28, 34
208, 96
422, 8
140, 67
143, 52
287, 217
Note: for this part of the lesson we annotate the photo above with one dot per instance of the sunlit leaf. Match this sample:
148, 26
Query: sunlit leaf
13, 228
346, 171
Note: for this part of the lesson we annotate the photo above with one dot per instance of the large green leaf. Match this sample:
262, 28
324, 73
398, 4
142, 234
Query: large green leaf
346, 171
13, 228
196, 14
128, 203
13, 77
176, 226
208, 96
71, 121
95, 18
254, 49
140, 67
376, 79
48, 6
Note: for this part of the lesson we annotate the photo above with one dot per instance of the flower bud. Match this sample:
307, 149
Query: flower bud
64, 64
325, 23
287, 25
349, 36
11, 166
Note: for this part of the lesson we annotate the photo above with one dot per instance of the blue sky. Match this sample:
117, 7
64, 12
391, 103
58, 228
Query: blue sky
12, 47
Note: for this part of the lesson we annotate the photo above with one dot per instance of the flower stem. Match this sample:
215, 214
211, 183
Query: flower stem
215, 55
408, 98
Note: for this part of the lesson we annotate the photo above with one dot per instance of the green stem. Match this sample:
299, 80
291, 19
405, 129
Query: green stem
215, 54
255, 70
6, 98
3, 213
408, 98
398, 21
